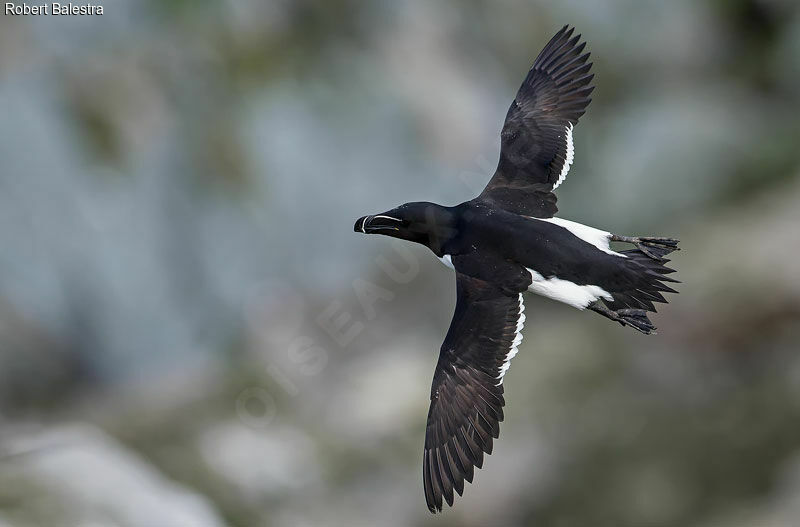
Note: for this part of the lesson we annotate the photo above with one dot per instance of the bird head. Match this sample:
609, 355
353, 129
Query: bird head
429, 224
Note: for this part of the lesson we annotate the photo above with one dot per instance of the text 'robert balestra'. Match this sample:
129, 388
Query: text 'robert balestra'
52, 9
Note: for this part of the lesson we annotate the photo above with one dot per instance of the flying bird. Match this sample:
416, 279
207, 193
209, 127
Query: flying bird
508, 241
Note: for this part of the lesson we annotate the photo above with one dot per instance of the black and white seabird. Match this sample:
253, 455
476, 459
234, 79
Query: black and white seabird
508, 241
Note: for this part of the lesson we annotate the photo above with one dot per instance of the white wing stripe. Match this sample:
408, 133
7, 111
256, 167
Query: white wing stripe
514, 345
569, 158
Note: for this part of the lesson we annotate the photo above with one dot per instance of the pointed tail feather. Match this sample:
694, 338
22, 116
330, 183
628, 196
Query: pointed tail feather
649, 284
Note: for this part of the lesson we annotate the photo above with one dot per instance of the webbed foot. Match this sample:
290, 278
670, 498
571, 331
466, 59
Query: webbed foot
654, 247
635, 318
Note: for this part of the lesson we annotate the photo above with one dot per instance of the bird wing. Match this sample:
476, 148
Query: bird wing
536, 142
467, 392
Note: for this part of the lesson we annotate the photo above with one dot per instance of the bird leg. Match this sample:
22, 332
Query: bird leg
635, 318
643, 243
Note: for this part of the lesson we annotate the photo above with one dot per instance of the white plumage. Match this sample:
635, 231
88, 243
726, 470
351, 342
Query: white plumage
597, 237
570, 156
515, 344
565, 291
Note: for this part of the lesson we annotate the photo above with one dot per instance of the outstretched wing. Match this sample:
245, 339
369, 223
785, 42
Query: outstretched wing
467, 392
536, 142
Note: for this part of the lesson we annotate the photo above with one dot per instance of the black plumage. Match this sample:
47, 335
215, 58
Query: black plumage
466, 399
553, 96
506, 242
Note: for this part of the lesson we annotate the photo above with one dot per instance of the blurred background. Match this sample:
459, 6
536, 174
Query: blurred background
192, 335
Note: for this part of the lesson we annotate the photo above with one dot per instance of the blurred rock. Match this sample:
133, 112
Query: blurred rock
98, 481
260, 463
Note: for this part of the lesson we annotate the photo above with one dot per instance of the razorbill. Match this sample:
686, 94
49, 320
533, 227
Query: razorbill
508, 241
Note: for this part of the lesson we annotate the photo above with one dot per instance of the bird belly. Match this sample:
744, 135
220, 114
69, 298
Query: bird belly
576, 295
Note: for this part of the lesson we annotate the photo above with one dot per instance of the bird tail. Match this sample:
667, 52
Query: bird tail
649, 278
